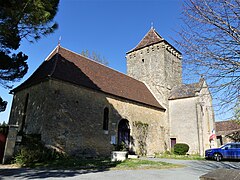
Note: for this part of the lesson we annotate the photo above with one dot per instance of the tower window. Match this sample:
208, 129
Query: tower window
105, 119
143, 60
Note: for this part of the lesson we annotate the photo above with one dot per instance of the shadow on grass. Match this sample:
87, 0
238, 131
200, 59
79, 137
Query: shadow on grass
59, 168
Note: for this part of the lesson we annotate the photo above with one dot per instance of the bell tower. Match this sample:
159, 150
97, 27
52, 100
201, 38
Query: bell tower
156, 63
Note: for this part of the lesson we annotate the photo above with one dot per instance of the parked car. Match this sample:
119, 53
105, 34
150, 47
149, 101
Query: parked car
227, 151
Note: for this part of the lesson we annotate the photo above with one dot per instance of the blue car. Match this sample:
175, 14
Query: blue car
227, 151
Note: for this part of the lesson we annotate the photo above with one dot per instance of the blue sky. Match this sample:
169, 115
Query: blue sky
108, 27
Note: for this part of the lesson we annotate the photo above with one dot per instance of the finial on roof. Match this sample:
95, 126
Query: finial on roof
59, 43
152, 25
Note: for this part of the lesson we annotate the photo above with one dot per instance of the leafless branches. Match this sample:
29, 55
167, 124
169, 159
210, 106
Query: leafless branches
210, 42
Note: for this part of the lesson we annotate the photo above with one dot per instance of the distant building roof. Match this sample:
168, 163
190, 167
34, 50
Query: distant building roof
65, 65
186, 90
226, 127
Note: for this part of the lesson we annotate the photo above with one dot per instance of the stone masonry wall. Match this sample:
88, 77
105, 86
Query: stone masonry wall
159, 67
70, 118
208, 120
192, 121
183, 122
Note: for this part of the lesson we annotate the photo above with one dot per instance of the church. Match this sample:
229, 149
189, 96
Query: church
83, 108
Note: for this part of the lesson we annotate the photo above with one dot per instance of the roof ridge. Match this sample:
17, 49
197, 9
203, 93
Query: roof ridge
51, 53
101, 64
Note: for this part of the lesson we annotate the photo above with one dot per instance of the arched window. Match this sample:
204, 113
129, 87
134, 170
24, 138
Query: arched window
105, 119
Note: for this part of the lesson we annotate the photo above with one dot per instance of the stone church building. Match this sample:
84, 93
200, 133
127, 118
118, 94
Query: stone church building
83, 108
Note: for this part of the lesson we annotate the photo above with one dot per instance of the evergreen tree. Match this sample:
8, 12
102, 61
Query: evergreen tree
21, 19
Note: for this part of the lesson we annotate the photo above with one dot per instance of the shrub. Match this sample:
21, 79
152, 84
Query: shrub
32, 150
181, 148
120, 147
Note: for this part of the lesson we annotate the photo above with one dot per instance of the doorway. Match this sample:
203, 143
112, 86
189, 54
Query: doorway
173, 142
124, 133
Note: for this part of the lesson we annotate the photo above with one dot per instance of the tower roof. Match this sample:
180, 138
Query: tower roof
152, 37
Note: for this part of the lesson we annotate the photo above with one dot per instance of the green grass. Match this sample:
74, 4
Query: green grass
145, 164
181, 157
103, 164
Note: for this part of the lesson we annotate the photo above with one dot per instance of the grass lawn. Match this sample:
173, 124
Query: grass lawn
103, 164
182, 157
145, 164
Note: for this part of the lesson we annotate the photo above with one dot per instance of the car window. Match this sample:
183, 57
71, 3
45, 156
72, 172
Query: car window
227, 146
238, 145
230, 146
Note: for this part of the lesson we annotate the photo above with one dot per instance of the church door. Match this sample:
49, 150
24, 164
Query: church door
124, 132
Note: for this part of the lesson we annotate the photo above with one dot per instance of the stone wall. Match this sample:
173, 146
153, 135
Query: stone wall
192, 121
208, 119
159, 66
183, 122
70, 118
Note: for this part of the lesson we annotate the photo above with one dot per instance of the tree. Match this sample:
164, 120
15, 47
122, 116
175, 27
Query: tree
237, 112
95, 56
210, 42
3, 105
235, 136
21, 19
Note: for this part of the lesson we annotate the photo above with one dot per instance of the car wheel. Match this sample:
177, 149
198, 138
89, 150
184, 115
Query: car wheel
217, 157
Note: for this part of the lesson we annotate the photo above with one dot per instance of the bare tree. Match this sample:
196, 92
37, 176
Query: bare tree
235, 136
237, 112
95, 56
210, 42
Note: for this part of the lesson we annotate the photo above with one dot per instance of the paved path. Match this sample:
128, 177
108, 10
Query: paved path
192, 171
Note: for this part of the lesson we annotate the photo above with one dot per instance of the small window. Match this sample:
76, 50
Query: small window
105, 119
143, 60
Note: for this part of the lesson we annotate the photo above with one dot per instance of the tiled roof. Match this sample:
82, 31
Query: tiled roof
186, 90
226, 127
152, 37
65, 65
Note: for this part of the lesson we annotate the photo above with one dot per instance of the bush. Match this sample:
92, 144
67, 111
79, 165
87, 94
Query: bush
32, 150
181, 148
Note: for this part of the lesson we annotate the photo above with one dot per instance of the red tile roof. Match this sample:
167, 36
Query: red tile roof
65, 65
152, 37
226, 127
